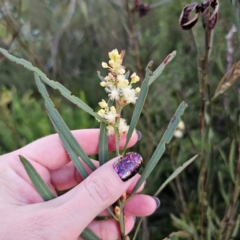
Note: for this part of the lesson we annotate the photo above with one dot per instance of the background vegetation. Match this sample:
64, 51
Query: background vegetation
68, 40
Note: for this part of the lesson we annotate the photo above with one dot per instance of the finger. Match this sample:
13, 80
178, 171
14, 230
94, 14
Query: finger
139, 205
50, 152
135, 181
109, 229
78, 207
68, 177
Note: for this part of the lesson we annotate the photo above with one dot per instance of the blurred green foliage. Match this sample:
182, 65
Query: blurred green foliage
68, 40
23, 120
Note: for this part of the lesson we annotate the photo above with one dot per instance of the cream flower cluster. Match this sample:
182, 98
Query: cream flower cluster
179, 132
116, 84
119, 89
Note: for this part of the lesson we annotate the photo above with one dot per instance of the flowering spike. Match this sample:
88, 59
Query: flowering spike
119, 89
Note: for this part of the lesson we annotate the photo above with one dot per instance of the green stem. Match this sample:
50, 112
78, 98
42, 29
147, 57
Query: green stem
116, 131
113, 215
116, 128
208, 40
137, 229
121, 219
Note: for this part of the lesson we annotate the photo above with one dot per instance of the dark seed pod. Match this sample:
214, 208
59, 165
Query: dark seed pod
184, 21
128, 165
208, 17
141, 8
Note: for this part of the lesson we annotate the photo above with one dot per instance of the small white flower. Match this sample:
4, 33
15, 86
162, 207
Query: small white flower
111, 117
113, 93
121, 77
123, 127
180, 130
110, 130
126, 90
181, 125
129, 94
178, 133
122, 81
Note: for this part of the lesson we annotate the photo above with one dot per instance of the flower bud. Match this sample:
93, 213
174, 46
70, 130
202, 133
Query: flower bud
103, 104
117, 211
137, 90
104, 65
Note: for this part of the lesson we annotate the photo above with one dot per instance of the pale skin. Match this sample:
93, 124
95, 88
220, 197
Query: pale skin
24, 214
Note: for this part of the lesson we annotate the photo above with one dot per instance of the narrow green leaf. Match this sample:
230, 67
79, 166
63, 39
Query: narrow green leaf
37, 181
223, 155
175, 174
103, 144
222, 189
137, 228
232, 159
139, 104
87, 234
121, 218
210, 167
46, 193
161, 146
61, 126
159, 70
55, 85
72, 154
182, 224
236, 228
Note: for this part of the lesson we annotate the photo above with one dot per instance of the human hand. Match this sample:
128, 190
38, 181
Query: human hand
24, 214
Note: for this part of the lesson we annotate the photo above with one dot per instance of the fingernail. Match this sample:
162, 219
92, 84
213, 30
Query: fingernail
134, 219
139, 134
127, 166
157, 202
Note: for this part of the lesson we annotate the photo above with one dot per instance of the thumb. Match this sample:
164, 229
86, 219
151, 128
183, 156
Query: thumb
98, 191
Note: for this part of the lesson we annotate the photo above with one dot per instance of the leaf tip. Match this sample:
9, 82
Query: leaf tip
184, 103
174, 53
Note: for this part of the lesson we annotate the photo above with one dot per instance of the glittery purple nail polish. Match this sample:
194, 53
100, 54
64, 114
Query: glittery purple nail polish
128, 165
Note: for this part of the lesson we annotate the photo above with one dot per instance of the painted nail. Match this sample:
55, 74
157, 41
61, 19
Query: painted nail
157, 200
139, 134
127, 166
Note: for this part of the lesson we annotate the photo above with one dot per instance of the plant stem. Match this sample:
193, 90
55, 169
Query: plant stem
121, 219
204, 64
134, 41
137, 229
